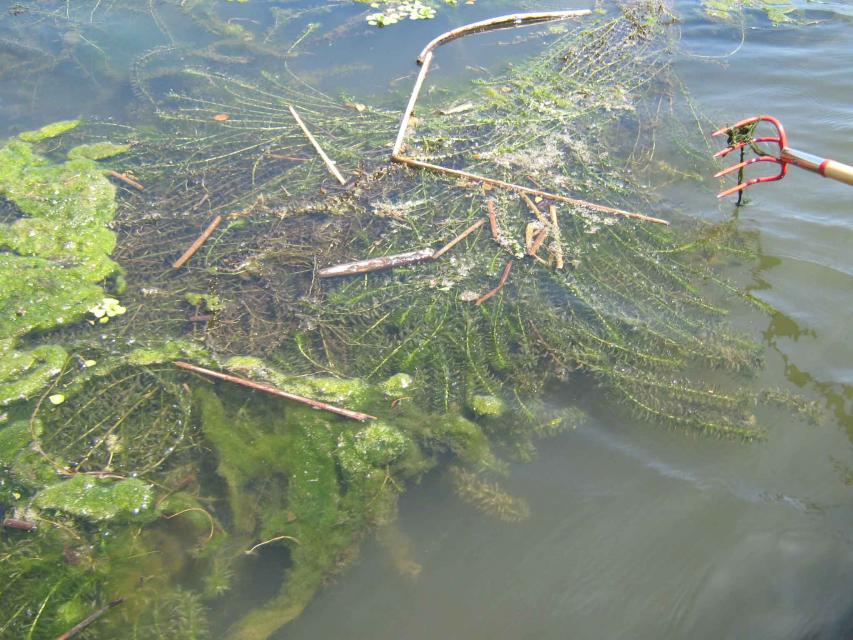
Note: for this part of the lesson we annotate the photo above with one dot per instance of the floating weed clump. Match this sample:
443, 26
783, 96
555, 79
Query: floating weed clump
56, 254
511, 297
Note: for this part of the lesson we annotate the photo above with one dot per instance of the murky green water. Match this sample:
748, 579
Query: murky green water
635, 531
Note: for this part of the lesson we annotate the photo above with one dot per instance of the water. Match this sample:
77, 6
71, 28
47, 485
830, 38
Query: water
635, 532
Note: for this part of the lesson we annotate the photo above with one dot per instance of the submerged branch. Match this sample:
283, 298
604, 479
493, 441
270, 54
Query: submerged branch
377, 264
266, 388
500, 286
329, 164
195, 246
412, 162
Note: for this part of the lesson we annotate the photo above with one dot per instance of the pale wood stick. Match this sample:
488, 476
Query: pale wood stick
198, 242
266, 388
500, 286
501, 22
518, 188
537, 242
459, 238
128, 181
377, 264
556, 227
534, 209
493, 220
329, 164
73, 631
397, 259
410, 107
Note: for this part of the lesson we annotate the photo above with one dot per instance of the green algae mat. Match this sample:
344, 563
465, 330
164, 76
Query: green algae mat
123, 477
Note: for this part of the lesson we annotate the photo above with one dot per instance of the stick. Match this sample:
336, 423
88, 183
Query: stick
260, 386
198, 242
397, 259
493, 221
537, 242
73, 631
459, 238
556, 227
376, 264
500, 286
128, 181
534, 209
518, 188
329, 164
407, 114
501, 22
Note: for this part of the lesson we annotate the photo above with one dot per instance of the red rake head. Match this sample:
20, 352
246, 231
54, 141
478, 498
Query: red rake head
740, 135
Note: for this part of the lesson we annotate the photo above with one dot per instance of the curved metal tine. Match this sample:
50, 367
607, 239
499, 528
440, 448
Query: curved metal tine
743, 185
737, 125
722, 153
741, 165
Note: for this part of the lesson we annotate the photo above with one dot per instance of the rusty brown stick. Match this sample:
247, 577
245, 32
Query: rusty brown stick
73, 631
377, 264
128, 181
520, 189
329, 164
459, 238
189, 253
266, 388
13, 523
493, 220
500, 286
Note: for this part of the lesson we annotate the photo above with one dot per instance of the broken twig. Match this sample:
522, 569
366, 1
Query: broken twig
459, 238
412, 162
128, 181
534, 209
266, 388
555, 226
500, 286
329, 164
73, 631
493, 220
198, 242
377, 264
537, 242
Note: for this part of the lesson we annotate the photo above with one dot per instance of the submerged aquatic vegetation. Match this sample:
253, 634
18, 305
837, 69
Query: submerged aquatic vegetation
631, 308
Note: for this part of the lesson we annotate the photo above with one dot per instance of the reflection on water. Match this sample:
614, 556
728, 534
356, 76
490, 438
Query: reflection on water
635, 532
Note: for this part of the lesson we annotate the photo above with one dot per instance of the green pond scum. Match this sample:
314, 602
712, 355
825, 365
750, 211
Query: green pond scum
145, 482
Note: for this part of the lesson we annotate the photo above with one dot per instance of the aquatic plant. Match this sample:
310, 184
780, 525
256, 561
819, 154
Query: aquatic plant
453, 354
